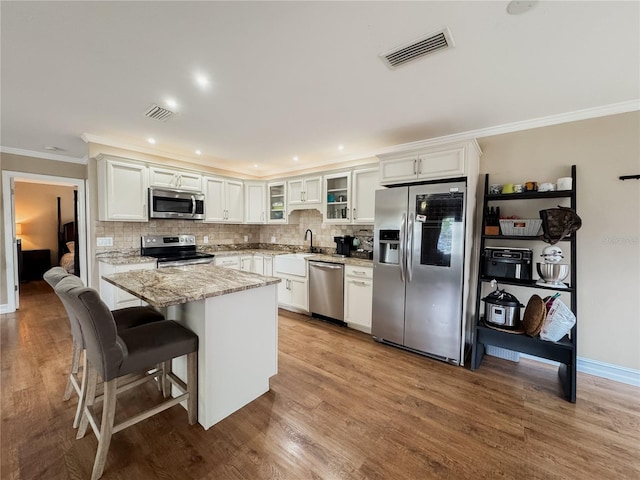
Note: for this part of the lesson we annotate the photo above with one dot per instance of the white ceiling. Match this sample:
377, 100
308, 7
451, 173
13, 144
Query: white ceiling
300, 78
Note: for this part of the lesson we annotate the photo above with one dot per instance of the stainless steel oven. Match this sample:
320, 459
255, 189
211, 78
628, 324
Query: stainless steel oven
172, 203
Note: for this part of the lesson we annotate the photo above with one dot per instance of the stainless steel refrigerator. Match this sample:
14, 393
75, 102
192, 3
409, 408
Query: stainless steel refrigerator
419, 268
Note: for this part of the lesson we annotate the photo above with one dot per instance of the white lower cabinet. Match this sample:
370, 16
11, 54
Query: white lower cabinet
358, 297
230, 261
263, 264
113, 296
246, 263
293, 292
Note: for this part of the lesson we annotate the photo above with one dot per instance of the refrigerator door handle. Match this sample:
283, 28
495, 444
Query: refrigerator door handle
401, 246
410, 248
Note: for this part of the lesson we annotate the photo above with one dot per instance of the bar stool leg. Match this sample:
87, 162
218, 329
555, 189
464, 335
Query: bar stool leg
106, 428
83, 392
92, 373
76, 351
164, 379
192, 387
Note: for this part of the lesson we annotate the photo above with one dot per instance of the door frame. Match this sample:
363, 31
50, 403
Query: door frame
8, 211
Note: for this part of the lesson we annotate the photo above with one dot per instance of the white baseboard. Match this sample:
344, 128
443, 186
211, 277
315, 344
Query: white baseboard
599, 369
4, 308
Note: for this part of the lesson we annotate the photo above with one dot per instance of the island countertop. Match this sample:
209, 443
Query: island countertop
176, 285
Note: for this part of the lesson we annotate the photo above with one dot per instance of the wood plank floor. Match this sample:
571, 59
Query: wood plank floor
341, 407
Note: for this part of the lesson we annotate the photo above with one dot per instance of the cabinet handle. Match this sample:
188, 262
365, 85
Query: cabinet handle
362, 284
179, 180
354, 214
419, 166
358, 272
415, 172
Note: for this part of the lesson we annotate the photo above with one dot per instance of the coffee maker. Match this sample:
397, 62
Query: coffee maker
343, 245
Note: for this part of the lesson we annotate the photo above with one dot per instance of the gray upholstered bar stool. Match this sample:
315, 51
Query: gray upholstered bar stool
112, 354
124, 318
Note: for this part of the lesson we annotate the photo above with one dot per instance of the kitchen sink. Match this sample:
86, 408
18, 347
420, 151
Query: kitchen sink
292, 264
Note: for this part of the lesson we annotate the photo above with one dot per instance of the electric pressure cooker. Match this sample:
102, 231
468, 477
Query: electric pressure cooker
502, 309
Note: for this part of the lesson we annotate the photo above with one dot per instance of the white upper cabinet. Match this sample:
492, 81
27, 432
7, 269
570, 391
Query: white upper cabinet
305, 193
169, 178
430, 163
350, 196
277, 202
122, 190
364, 183
223, 200
255, 199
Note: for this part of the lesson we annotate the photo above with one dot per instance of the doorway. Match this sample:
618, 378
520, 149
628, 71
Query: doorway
17, 228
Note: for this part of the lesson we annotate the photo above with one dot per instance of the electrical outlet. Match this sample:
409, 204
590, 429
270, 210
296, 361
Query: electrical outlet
206, 239
246, 238
273, 239
104, 241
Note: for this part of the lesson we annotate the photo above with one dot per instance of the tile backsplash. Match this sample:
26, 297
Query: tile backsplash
126, 235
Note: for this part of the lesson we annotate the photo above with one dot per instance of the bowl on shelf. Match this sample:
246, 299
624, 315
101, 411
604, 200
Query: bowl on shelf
553, 274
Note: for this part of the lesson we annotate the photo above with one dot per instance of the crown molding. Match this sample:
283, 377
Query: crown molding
47, 156
366, 157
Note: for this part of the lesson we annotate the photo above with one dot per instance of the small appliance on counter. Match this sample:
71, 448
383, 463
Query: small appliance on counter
502, 309
507, 263
344, 244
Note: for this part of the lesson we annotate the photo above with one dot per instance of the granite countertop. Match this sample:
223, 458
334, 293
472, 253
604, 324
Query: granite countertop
172, 286
125, 259
356, 262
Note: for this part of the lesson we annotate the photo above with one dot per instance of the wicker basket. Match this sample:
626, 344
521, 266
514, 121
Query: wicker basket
528, 227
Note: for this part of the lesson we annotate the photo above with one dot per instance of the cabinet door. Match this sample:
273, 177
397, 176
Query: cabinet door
235, 201
284, 294
246, 263
255, 199
444, 164
358, 300
277, 203
162, 177
258, 264
312, 190
113, 296
398, 169
268, 266
214, 209
122, 192
232, 261
299, 294
189, 181
295, 189
338, 198
364, 186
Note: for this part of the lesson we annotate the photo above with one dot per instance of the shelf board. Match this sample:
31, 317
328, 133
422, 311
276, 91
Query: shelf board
336, 189
336, 203
519, 237
528, 283
560, 351
530, 195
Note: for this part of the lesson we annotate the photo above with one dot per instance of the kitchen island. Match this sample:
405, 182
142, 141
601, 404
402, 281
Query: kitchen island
234, 314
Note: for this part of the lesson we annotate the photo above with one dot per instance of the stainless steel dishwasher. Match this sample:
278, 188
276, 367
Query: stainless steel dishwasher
326, 289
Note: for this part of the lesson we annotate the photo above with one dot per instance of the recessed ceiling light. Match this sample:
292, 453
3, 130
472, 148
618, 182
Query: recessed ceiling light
171, 103
202, 80
255, 165
198, 152
340, 147
516, 7
295, 159
151, 140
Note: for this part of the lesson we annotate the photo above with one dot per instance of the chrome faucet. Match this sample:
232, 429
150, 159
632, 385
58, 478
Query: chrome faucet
311, 249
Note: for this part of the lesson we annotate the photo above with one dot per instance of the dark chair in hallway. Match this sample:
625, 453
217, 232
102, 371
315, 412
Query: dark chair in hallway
112, 354
124, 318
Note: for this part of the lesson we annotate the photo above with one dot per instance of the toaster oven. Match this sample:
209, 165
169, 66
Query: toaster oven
504, 263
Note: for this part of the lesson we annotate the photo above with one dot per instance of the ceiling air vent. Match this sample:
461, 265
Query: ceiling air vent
158, 113
431, 43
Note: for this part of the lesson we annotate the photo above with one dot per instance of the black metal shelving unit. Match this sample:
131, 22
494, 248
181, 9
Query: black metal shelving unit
563, 351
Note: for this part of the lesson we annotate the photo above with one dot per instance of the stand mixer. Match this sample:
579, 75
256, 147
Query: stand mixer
552, 272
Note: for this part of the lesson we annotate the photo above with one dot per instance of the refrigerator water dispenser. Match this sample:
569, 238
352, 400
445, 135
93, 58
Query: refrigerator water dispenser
389, 246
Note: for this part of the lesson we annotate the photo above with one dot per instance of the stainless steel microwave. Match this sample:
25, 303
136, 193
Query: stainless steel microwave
172, 203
